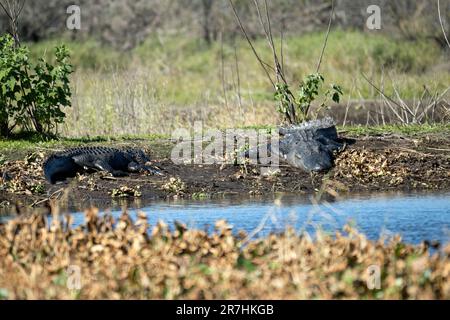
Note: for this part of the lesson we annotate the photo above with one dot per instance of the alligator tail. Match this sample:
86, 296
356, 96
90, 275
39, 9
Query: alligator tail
59, 167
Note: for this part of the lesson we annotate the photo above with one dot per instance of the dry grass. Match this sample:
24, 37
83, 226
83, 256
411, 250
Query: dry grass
168, 82
122, 259
140, 102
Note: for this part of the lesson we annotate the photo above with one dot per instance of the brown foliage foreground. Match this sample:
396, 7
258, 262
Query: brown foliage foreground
122, 259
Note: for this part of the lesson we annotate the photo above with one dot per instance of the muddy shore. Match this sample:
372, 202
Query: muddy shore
371, 164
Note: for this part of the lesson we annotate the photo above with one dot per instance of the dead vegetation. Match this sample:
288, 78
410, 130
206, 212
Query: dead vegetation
23, 176
394, 167
130, 259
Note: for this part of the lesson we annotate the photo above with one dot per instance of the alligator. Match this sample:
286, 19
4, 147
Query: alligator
68, 163
309, 146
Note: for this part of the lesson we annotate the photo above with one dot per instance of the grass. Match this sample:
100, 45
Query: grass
29, 142
169, 82
17, 146
396, 129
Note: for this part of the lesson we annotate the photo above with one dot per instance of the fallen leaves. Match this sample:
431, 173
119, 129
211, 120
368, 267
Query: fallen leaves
23, 176
362, 164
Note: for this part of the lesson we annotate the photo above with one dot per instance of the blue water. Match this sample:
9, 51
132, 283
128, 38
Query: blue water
416, 217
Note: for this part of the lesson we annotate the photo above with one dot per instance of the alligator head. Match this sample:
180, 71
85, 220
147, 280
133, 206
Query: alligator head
310, 146
141, 161
139, 156
308, 156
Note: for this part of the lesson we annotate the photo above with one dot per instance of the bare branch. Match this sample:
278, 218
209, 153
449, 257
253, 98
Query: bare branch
261, 62
380, 91
21, 8
442, 23
279, 70
326, 37
281, 50
13, 9
6, 11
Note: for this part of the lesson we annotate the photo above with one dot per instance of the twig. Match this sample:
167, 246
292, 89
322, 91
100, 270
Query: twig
48, 198
109, 178
442, 23
222, 69
388, 99
6, 11
281, 50
277, 69
439, 149
13, 11
269, 37
347, 107
326, 37
261, 62
415, 151
238, 78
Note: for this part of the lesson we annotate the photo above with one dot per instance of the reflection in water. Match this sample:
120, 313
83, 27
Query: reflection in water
417, 217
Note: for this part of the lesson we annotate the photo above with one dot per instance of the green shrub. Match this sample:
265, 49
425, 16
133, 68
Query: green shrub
32, 95
295, 109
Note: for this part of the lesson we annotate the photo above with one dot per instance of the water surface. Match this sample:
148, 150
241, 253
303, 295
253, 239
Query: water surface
416, 217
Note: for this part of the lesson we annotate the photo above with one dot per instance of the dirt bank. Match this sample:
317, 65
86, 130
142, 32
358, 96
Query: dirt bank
372, 163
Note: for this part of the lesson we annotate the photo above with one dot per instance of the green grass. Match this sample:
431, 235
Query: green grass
27, 143
169, 82
86, 55
409, 130
24, 143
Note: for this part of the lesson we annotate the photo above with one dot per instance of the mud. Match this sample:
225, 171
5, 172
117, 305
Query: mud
372, 163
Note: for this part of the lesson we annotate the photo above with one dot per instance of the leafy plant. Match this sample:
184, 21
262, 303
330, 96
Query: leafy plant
32, 96
296, 108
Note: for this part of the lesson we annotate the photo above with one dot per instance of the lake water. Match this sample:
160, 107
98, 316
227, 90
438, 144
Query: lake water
416, 217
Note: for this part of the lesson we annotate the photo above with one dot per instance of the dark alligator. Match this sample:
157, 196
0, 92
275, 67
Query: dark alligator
68, 163
309, 146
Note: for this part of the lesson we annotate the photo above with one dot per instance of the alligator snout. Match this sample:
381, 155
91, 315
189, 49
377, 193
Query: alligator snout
320, 168
317, 162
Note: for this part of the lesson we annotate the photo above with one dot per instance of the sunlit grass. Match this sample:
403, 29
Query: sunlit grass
28, 143
396, 129
171, 81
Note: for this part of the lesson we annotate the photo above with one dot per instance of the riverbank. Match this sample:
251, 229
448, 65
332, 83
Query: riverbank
375, 162
124, 258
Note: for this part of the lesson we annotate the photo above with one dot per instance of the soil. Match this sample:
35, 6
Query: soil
372, 163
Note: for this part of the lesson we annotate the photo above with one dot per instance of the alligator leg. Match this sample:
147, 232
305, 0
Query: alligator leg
82, 162
97, 164
104, 166
153, 171
135, 167
101, 165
